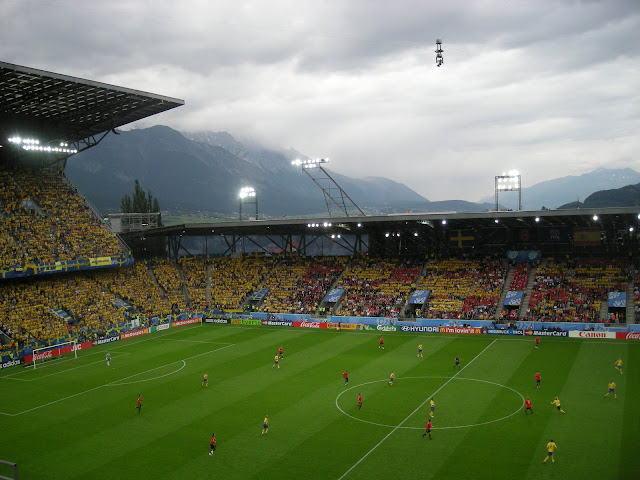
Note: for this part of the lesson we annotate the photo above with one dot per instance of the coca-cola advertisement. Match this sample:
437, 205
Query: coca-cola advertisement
310, 324
628, 335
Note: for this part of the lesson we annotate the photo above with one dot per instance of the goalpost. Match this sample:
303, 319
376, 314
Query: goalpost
56, 350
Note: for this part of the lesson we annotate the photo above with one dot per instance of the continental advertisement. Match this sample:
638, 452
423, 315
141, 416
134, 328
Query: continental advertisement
246, 321
345, 326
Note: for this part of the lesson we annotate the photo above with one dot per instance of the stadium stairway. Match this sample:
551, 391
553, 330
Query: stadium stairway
507, 283
527, 294
604, 309
207, 287
154, 280
185, 290
630, 312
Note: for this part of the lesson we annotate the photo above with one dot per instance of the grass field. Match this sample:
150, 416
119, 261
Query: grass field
76, 418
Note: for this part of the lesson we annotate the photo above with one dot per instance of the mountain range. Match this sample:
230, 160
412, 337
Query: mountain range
202, 172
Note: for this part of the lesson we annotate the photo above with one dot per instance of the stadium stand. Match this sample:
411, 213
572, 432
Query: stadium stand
232, 279
572, 290
298, 285
377, 287
44, 220
464, 289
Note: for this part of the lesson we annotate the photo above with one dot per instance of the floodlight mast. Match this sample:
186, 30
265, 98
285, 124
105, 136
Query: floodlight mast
248, 195
334, 195
509, 182
439, 57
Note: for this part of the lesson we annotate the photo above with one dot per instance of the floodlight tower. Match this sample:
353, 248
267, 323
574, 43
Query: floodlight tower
334, 195
439, 58
248, 195
509, 182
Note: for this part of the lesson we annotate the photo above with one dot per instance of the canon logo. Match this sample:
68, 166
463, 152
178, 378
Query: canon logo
593, 334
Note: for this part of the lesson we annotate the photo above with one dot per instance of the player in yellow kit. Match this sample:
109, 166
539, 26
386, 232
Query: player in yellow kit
392, 377
276, 362
612, 389
205, 380
618, 365
420, 350
265, 424
556, 402
551, 446
432, 406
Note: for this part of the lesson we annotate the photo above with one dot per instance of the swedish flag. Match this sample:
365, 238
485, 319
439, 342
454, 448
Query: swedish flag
461, 238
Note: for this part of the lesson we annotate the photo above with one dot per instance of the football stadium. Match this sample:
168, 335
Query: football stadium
299, 348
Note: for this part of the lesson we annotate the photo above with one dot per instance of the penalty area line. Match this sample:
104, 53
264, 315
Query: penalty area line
110, 384
413, 413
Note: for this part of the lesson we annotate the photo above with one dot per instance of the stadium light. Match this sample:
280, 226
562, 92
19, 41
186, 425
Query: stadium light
509, 182
245, 196
537, 219
33, 145
309, 163
444, 221
595, 218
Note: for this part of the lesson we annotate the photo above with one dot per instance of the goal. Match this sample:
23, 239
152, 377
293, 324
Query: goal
46, 353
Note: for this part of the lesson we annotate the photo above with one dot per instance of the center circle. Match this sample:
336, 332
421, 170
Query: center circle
426, 403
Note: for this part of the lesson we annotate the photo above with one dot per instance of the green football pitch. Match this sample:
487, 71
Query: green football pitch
77, 418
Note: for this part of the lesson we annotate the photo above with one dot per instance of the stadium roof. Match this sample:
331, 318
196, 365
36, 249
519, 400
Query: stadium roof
54, 107
620, 217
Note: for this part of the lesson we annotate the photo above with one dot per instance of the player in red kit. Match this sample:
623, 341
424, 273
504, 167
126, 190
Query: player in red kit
381, 343
527, 406
280, 354
212, 444
537, 342
139, 403
345, 375
427, 429
360, 401
537, 375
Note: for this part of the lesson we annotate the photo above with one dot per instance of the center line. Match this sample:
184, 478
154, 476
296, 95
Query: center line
412, 413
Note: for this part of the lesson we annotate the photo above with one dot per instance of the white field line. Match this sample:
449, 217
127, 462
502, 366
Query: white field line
118, 383
114, 383
9, 377
193, 341
412, 413
50, 364
157, 336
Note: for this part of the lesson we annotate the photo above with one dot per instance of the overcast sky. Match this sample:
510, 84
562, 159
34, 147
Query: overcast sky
550, 88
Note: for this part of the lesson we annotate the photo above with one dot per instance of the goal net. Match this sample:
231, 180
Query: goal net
47, 353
